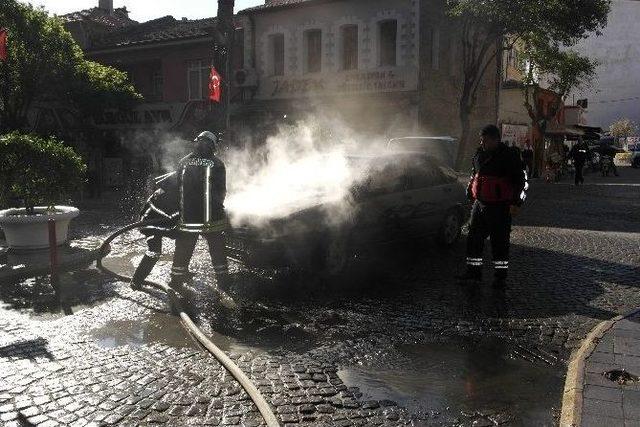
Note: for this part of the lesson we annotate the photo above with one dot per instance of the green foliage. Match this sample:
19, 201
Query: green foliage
623, 128
545, 27
45, 64
559, 21
38, 171
561, 70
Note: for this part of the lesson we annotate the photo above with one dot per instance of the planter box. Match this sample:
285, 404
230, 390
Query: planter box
27, 232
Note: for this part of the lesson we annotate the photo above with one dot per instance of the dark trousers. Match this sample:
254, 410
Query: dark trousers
494, 222
186, 244
150, 259
579, 170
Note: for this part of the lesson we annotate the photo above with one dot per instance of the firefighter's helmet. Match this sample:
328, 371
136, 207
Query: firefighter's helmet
207, 136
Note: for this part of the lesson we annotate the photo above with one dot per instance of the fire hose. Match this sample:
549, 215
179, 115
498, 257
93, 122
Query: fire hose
255, 395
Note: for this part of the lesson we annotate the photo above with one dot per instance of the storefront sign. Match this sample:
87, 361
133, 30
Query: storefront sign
147, 116
398, 80
515, 135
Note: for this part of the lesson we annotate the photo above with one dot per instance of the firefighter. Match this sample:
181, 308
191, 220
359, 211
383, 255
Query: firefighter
498, 188
161, 211
202, 191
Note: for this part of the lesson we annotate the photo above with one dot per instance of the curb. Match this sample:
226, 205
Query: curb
571, 415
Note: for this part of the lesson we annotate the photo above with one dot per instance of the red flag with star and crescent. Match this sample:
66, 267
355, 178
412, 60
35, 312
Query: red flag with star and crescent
3, 44
215, 85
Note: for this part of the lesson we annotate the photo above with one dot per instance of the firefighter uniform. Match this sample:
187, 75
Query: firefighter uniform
162, 213
498, 182
202, 191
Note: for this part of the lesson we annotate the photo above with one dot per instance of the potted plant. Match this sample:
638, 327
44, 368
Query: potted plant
37, 173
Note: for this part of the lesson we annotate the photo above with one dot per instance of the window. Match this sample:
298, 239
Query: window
198, 79
388, 40
276, 43
238, 49
313, 44
435, 48
157, 83
350, 47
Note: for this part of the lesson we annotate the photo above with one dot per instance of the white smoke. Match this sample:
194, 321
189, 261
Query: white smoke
304, 165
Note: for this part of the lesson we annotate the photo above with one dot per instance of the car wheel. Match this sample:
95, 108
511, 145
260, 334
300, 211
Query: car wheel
451, 229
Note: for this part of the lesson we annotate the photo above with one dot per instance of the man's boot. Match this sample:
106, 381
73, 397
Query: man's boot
142, 272
223, 282
179, 277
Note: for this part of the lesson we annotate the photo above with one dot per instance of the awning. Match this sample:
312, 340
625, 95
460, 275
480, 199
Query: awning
564, 130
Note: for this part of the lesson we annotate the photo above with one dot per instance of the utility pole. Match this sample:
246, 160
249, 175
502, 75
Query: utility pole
222, 60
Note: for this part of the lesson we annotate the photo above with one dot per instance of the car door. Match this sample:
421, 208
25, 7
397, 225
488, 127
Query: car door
380, 207
428, 192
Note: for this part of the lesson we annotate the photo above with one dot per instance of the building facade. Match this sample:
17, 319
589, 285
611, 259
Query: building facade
391, 69
383, 69
615, 93
357, 60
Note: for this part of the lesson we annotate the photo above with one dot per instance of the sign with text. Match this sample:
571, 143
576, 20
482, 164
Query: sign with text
146, 116
380, 81
515, 135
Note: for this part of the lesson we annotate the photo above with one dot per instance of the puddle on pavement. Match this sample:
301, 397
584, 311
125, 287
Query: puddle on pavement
38, 296
157, 328
440, 382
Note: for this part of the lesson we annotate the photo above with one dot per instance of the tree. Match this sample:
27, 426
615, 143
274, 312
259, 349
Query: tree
623, 128
45, 64
492, 26
561, 70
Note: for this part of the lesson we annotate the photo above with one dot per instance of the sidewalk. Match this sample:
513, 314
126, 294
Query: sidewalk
603, 382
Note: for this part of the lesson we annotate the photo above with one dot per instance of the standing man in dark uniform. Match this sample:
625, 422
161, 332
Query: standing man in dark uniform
527, 157
579, 153
161, 212
498, 188
202, 186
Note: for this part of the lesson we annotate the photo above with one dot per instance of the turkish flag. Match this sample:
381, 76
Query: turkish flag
3, 44
215, 85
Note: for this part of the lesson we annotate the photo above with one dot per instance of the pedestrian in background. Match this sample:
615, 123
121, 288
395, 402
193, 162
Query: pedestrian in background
579, 153
527, 158
498, 188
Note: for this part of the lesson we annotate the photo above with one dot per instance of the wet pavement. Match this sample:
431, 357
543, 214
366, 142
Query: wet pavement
399, 344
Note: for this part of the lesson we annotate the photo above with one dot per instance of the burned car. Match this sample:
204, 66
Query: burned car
397, 199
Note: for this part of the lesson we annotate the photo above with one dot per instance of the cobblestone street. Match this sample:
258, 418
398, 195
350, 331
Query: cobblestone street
121, 358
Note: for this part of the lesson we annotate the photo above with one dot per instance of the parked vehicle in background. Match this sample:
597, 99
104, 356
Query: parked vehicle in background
635, 159
443, 148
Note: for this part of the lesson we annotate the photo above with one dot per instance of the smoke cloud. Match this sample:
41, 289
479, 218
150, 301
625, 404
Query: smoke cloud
305, 165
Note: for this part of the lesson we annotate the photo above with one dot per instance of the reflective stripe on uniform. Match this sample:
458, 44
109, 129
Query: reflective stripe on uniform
207, 195
474, 261
523, 195
501, 265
